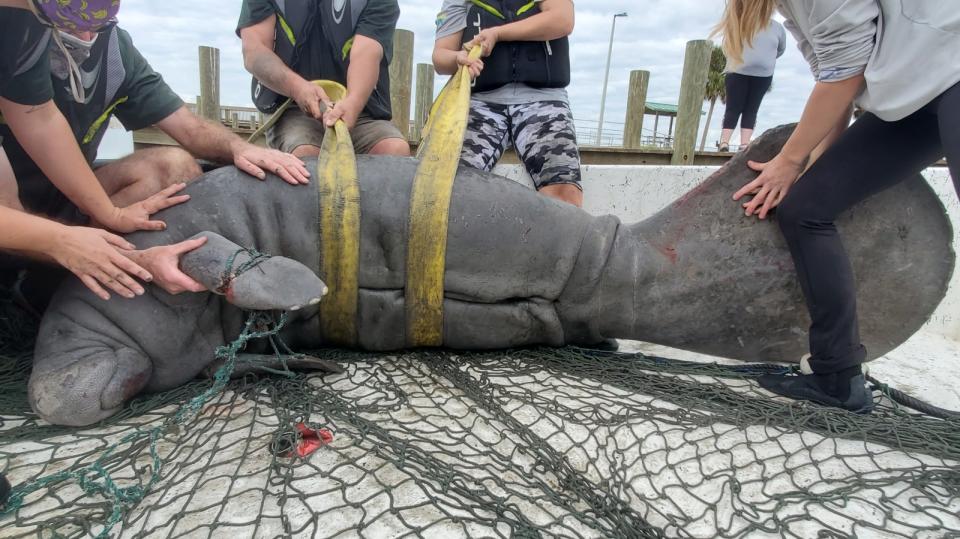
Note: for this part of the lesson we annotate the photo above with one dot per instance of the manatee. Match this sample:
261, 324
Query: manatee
521, 270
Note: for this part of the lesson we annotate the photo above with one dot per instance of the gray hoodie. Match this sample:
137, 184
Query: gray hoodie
908, 50
760, 59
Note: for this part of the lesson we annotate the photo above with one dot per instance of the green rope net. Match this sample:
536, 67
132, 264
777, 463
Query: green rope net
524, 443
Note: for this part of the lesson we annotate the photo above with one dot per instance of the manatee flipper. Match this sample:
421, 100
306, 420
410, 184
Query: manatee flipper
273, 283
88, 385
262, 363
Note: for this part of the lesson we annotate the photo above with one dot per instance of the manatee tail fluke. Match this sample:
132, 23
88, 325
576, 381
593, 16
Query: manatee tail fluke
704, 277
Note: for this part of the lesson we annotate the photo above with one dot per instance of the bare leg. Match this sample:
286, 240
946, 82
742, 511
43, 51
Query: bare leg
307, 150
387, 146
565, 192
745, 136
725, 136
9, 193
391, 146
145, 173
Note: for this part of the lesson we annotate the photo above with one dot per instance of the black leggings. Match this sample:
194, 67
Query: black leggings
869, 157
744, 95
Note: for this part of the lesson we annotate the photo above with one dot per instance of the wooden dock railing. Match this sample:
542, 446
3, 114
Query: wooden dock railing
637, 148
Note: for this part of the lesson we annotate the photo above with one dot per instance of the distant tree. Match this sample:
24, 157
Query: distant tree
716, 87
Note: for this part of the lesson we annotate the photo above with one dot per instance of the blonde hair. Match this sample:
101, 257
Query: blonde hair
742, 21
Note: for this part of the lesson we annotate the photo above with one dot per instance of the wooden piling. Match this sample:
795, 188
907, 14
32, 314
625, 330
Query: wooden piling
401, 75
636, 106
209, 105
692, 91
424, 99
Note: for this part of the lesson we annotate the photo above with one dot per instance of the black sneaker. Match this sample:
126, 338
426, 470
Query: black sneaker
4, 490
805, 387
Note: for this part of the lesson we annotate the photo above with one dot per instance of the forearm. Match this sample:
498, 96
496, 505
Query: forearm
201, 138
42, 129
269, 69
842, 123
828, 105
544, 26
445, 61
364, 70
28, 234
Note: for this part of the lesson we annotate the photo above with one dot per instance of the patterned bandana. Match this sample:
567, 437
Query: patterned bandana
78, 15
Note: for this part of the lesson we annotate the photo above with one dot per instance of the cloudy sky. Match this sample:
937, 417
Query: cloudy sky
652, 37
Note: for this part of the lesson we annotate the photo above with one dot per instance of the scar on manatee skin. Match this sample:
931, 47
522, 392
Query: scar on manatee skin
669, 253
226, 285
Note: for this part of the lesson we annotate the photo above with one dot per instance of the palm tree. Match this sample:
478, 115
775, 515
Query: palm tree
716, 88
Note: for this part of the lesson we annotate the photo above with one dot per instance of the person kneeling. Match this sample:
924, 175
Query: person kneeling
287, 45
95, 75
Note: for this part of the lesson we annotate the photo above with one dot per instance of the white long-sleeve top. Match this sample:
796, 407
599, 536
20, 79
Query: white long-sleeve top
908, 50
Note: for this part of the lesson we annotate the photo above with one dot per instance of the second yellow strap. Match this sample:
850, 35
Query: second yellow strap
430, 209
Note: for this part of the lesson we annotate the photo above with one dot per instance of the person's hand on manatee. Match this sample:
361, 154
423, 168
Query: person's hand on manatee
137, 216
771, 186
163, 262
256, 161
94, 255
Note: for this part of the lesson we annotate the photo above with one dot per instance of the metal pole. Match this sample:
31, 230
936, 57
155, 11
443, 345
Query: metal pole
606, 75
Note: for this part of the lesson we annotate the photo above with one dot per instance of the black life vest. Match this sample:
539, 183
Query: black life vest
299, 26
540, 64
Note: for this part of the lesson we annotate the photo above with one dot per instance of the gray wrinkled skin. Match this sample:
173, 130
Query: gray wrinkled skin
522, 269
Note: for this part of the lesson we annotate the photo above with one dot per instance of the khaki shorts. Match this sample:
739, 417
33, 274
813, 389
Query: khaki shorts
295, 129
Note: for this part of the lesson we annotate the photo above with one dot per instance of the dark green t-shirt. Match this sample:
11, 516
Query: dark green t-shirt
321, 59
24, 68
118, 82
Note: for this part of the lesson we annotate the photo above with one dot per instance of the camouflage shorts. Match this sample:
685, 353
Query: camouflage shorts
542, 133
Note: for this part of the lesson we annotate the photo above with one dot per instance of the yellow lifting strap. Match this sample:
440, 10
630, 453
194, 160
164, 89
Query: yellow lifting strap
273, 119
439, 155
339, 185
